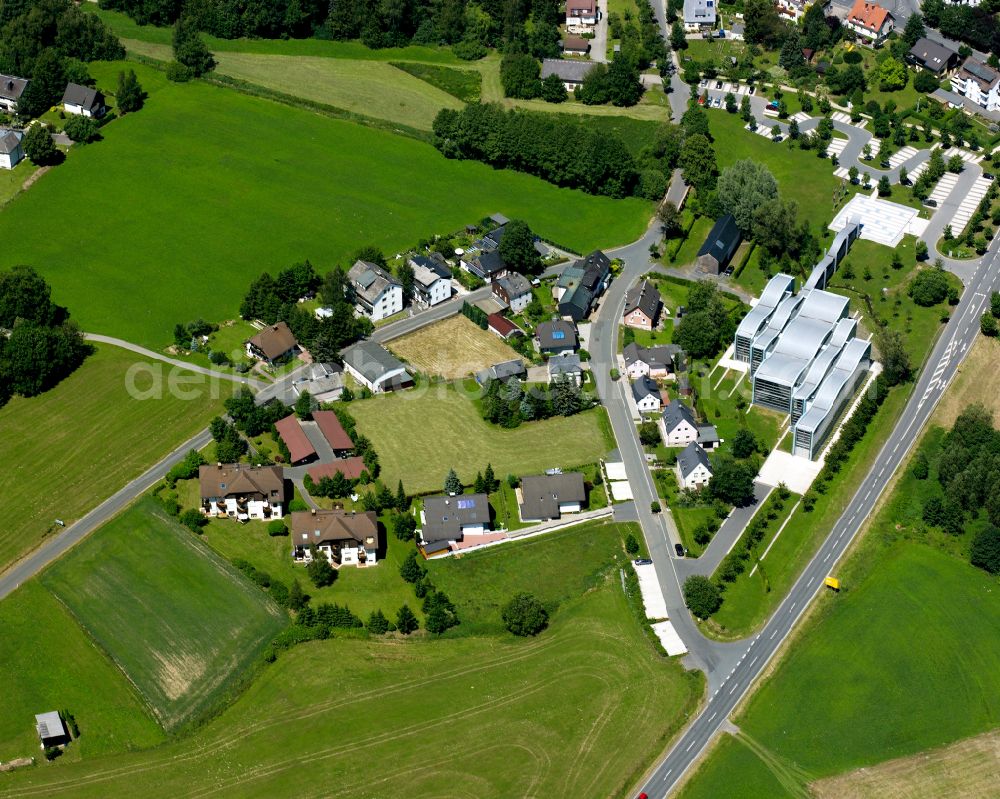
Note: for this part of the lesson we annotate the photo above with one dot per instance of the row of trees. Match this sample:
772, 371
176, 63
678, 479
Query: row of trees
43, 346
439, 610
506, 403
555, 148
707, 326
617, 84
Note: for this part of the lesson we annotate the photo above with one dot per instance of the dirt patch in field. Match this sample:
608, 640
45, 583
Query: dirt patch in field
177, 672
452, 348
977, 380
969, 769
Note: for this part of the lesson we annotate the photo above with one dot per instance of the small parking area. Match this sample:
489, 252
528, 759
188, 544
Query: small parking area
882, 221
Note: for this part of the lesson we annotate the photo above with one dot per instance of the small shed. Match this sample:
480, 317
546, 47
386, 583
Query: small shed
51, 730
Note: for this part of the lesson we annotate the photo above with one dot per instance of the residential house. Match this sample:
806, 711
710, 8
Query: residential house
678, 426
431, 279
931, 56
979, 83
11, 89
580, 284
300, 448
500, 325
51, 729
708, 437
548, 496
557, 337
377, 293
656, 362
581, 15
272, 344
794, 9
513, 290
375, 367
720, 245
484, 264
575, 45
642, 306
646, 394
503, 372
694, 469
323, 381
571, 73
11, 150
870, 22
565, 367
83, 101
448, 519
345, 538
333, 432
351, 468
242, 492
699, 15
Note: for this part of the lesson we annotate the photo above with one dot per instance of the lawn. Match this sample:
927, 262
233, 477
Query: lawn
704, 50
180, 623
688, 250
422, 433
49, 663
77, 444
12, 180
464, 84
186, 177
452, 348
480, 583
470, 716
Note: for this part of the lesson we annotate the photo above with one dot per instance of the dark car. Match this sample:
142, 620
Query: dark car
931, 203
906, 182
885, 164
643, 562
988, 176
679, 549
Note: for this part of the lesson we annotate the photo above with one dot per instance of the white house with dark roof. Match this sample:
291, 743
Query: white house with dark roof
571, 73
11, 89
557, 337
694, 469
503, 372
646, 394
548, 496
242, 492
678, 426
11, 149
343, 538
273, 343
934, 57
377, 293
657, 362
642, 306
446, 519
375, 367
83, 101
431, 279
512, 290
979, 83
565, 367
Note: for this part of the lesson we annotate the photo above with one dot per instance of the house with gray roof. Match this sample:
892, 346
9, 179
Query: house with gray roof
979, 83
935, 57
557, 337
83, 101
513, 290
646, 394
431, 279
548, 496
708, 437
694, 469
642, 306
503, 372
323, 381
11, 149
377, 294
51, 729
375, 367
11, 89
699, 15
565, 367
484, 264
580, 284
452, 518
678, 426
720, 245
658, 362
571, 73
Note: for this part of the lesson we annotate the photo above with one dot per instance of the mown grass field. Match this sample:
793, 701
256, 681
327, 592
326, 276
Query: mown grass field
74, 446
178, 620
421, 434
452, 348
485, 716
205, 188
48, 663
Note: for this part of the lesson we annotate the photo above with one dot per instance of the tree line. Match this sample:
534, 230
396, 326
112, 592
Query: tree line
39, 344
507, 404
556, 149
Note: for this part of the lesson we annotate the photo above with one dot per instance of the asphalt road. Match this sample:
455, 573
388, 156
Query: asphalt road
948, 353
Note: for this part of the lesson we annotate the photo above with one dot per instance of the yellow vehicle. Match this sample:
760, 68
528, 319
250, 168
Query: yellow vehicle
832, 583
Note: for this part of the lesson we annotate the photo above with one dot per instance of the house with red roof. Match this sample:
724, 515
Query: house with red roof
500, 325
300, 448
870, 22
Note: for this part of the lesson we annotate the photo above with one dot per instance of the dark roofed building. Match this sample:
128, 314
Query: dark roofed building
502, 372
642, 305
571, 73
932, 56
486, 265
83, 101
11, 149
693, 467
581, 283
300, 448
657, 361
719, 246
576, 45
646, 394
11, 89
548, 496
557, 337
374, 366
273, 343
451, 518
345, 538
513, 290
333, 431
242, 492
565, 367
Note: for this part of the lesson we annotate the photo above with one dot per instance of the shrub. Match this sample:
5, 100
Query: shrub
631, 544
702, 596
853, 57
320, 571
277, 527
928, 287
986, 550
524, 615
193, 520
82, 130
178, 73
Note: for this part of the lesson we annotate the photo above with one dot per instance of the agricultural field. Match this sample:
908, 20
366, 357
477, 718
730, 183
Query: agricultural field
464, 84
301, 198
73, 446
48, 663
179, 622
452, 348
422, 433
557, 707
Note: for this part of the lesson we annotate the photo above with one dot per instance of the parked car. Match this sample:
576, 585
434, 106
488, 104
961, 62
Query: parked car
906, 182
773, 105
777, 138
701, 100
718, 84
885, 164
643, 562
679, 549
703, 84
931, 203
751, 89
988, 176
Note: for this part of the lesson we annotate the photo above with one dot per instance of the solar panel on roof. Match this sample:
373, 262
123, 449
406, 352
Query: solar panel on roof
465, 504
558, 334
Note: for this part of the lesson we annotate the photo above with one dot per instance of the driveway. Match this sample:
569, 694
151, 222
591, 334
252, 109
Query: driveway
599, 44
